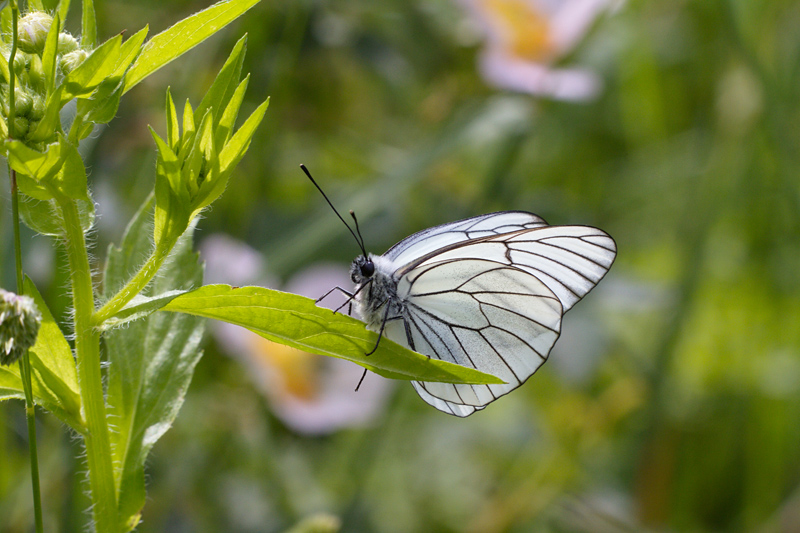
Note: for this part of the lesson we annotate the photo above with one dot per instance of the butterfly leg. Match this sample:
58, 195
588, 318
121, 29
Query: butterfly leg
348, 302
349, 309
380, 336
380, 333
410, 337
383, 325
347, 293
360, 381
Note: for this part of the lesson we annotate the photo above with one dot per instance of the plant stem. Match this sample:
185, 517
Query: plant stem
87, 351
136, 284
25, 361
25, 368
12, 111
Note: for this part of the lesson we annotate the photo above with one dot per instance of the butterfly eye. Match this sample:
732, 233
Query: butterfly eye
368, 269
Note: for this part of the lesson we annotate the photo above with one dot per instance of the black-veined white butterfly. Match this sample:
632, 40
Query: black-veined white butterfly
487, 292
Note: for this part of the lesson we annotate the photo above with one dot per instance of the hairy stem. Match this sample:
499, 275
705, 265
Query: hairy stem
137, 283
87, 351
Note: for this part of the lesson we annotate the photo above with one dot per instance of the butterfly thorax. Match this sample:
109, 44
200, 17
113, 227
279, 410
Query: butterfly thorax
377, 273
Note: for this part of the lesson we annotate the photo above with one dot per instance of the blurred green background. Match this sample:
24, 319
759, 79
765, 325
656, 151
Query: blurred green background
672, 400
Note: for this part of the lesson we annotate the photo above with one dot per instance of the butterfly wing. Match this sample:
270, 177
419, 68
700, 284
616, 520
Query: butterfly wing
570, 260
495, 303
432, 239
480, 314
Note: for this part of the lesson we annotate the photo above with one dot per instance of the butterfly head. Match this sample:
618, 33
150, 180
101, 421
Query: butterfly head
362, 269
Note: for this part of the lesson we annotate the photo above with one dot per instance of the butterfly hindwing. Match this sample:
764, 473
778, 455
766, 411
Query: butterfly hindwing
481, 314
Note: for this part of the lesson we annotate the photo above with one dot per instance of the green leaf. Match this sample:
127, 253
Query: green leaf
57, 170
297, 322
193, 162
187, 136
62, 9
183, 36
44, 216
130, 50
173, 126
51, 121
54, 379
6, 73
151, 360
102, 104
172, 201
136, 246
100, 108
140, 307
100, 64
35, 169
104, 62
50, 55
235, 149
88, 24
5, 22
225, 83
229, 115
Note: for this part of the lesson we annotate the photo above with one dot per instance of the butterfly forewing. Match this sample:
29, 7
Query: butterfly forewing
570, 260
433, 239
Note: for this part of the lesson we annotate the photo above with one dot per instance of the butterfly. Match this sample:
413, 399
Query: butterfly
486, 292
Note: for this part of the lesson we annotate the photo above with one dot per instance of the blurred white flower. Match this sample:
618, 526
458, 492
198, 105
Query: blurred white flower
524, 38
233, 262
310, 393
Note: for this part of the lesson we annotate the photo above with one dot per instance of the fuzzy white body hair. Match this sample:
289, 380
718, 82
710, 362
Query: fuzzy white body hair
371, 301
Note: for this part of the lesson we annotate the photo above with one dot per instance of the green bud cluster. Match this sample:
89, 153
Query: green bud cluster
30, 91
19, 326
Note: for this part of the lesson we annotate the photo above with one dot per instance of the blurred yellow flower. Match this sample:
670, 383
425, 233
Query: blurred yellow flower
524, 38
525, 27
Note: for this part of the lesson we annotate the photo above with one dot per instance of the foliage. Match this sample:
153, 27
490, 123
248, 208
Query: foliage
150, 361
671, 400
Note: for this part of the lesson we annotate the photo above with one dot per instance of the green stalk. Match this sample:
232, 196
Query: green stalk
12, 111
137, 283
25, 369
25, 361
87, 352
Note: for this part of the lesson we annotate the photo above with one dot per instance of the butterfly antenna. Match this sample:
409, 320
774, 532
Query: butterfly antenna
358, 230
360, 242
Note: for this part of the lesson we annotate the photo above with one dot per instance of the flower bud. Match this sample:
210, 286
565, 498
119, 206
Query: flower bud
19, 325
72, 60
20, 64
21, 127
33, 29
38, 107
23, 103
66, 43
36, 74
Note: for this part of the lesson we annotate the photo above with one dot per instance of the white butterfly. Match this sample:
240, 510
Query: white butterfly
487, 292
